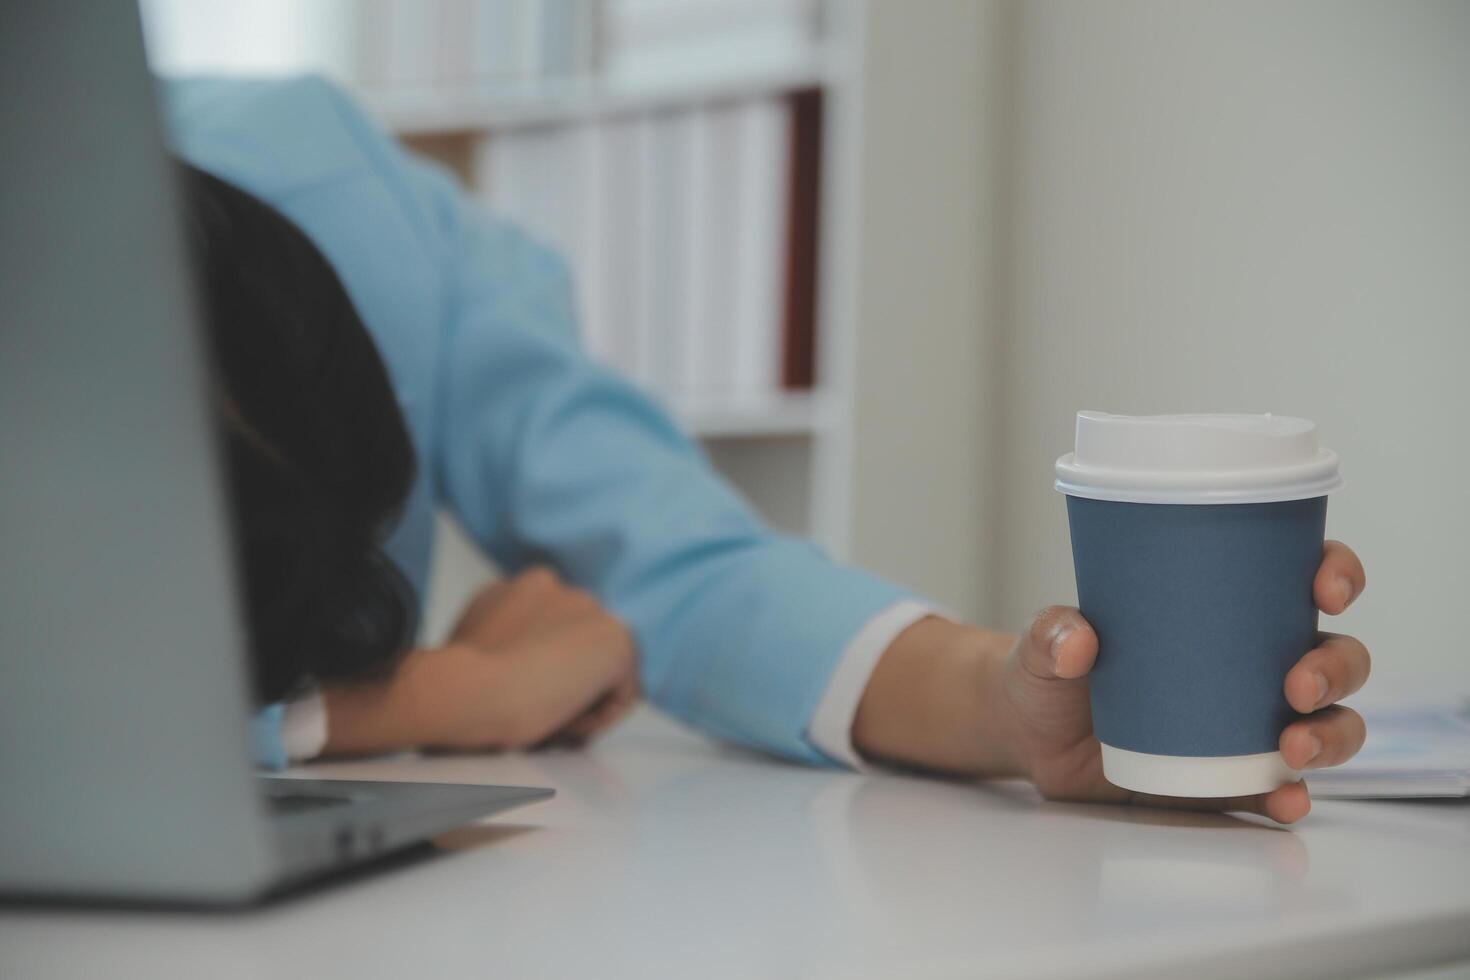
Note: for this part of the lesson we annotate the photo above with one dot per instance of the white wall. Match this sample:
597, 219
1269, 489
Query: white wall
923, 486
1254, 206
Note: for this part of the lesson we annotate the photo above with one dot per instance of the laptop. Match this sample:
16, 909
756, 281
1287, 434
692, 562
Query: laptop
124, 704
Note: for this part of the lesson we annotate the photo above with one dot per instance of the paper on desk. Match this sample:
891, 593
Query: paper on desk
1410, 752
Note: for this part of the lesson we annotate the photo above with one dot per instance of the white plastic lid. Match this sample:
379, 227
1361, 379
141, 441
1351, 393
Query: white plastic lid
1197, 459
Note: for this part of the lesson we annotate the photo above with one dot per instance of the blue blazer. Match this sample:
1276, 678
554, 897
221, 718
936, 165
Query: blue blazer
541, 454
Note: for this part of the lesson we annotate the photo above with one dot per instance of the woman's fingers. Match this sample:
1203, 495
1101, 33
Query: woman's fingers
479, 612
505, 609
1285, 804
612, 708
1340, 578
547, 660
558, 674
1328, 738
513, 608
1335, 669
515, 698
1059, 645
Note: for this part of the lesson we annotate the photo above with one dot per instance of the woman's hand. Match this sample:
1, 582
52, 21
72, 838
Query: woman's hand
1046, 689
532, 660
1025, 710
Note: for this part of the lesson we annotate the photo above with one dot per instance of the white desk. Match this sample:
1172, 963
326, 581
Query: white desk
664, 856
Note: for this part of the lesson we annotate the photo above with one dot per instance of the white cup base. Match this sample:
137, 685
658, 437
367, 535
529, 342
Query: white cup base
1197, 776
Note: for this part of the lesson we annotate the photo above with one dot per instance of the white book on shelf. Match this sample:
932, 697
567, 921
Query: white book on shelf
554, 182
410, 49
567, 36
661, 38
566, 193
370, 45
655, 22
714, 216
511, 175
691, 356
665, 260
530, 176
585, 252
760, 260
497, 37
529, 38
619, 222
454, 41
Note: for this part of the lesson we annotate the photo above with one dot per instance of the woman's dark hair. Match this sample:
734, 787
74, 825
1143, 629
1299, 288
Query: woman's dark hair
318, 457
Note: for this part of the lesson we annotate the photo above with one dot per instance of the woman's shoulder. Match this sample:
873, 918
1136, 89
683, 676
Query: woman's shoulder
271, 135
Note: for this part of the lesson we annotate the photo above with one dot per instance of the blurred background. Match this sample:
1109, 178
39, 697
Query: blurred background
877, 254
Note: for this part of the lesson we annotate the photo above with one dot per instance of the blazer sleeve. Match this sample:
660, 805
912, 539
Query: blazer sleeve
266, 744
544, 455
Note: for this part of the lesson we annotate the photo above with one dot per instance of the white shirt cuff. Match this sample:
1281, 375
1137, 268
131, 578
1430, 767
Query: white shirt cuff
304, 727
830, 729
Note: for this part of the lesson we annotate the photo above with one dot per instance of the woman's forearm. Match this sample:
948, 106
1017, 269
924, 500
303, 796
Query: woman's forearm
369, 717
935, 702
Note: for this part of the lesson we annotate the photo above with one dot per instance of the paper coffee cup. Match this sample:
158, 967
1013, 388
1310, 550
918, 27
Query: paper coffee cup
1195, 540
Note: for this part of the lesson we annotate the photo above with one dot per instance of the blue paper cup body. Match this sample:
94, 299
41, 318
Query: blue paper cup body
1200, 611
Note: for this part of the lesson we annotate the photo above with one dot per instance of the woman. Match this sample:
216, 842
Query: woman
548, 459
320, 465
